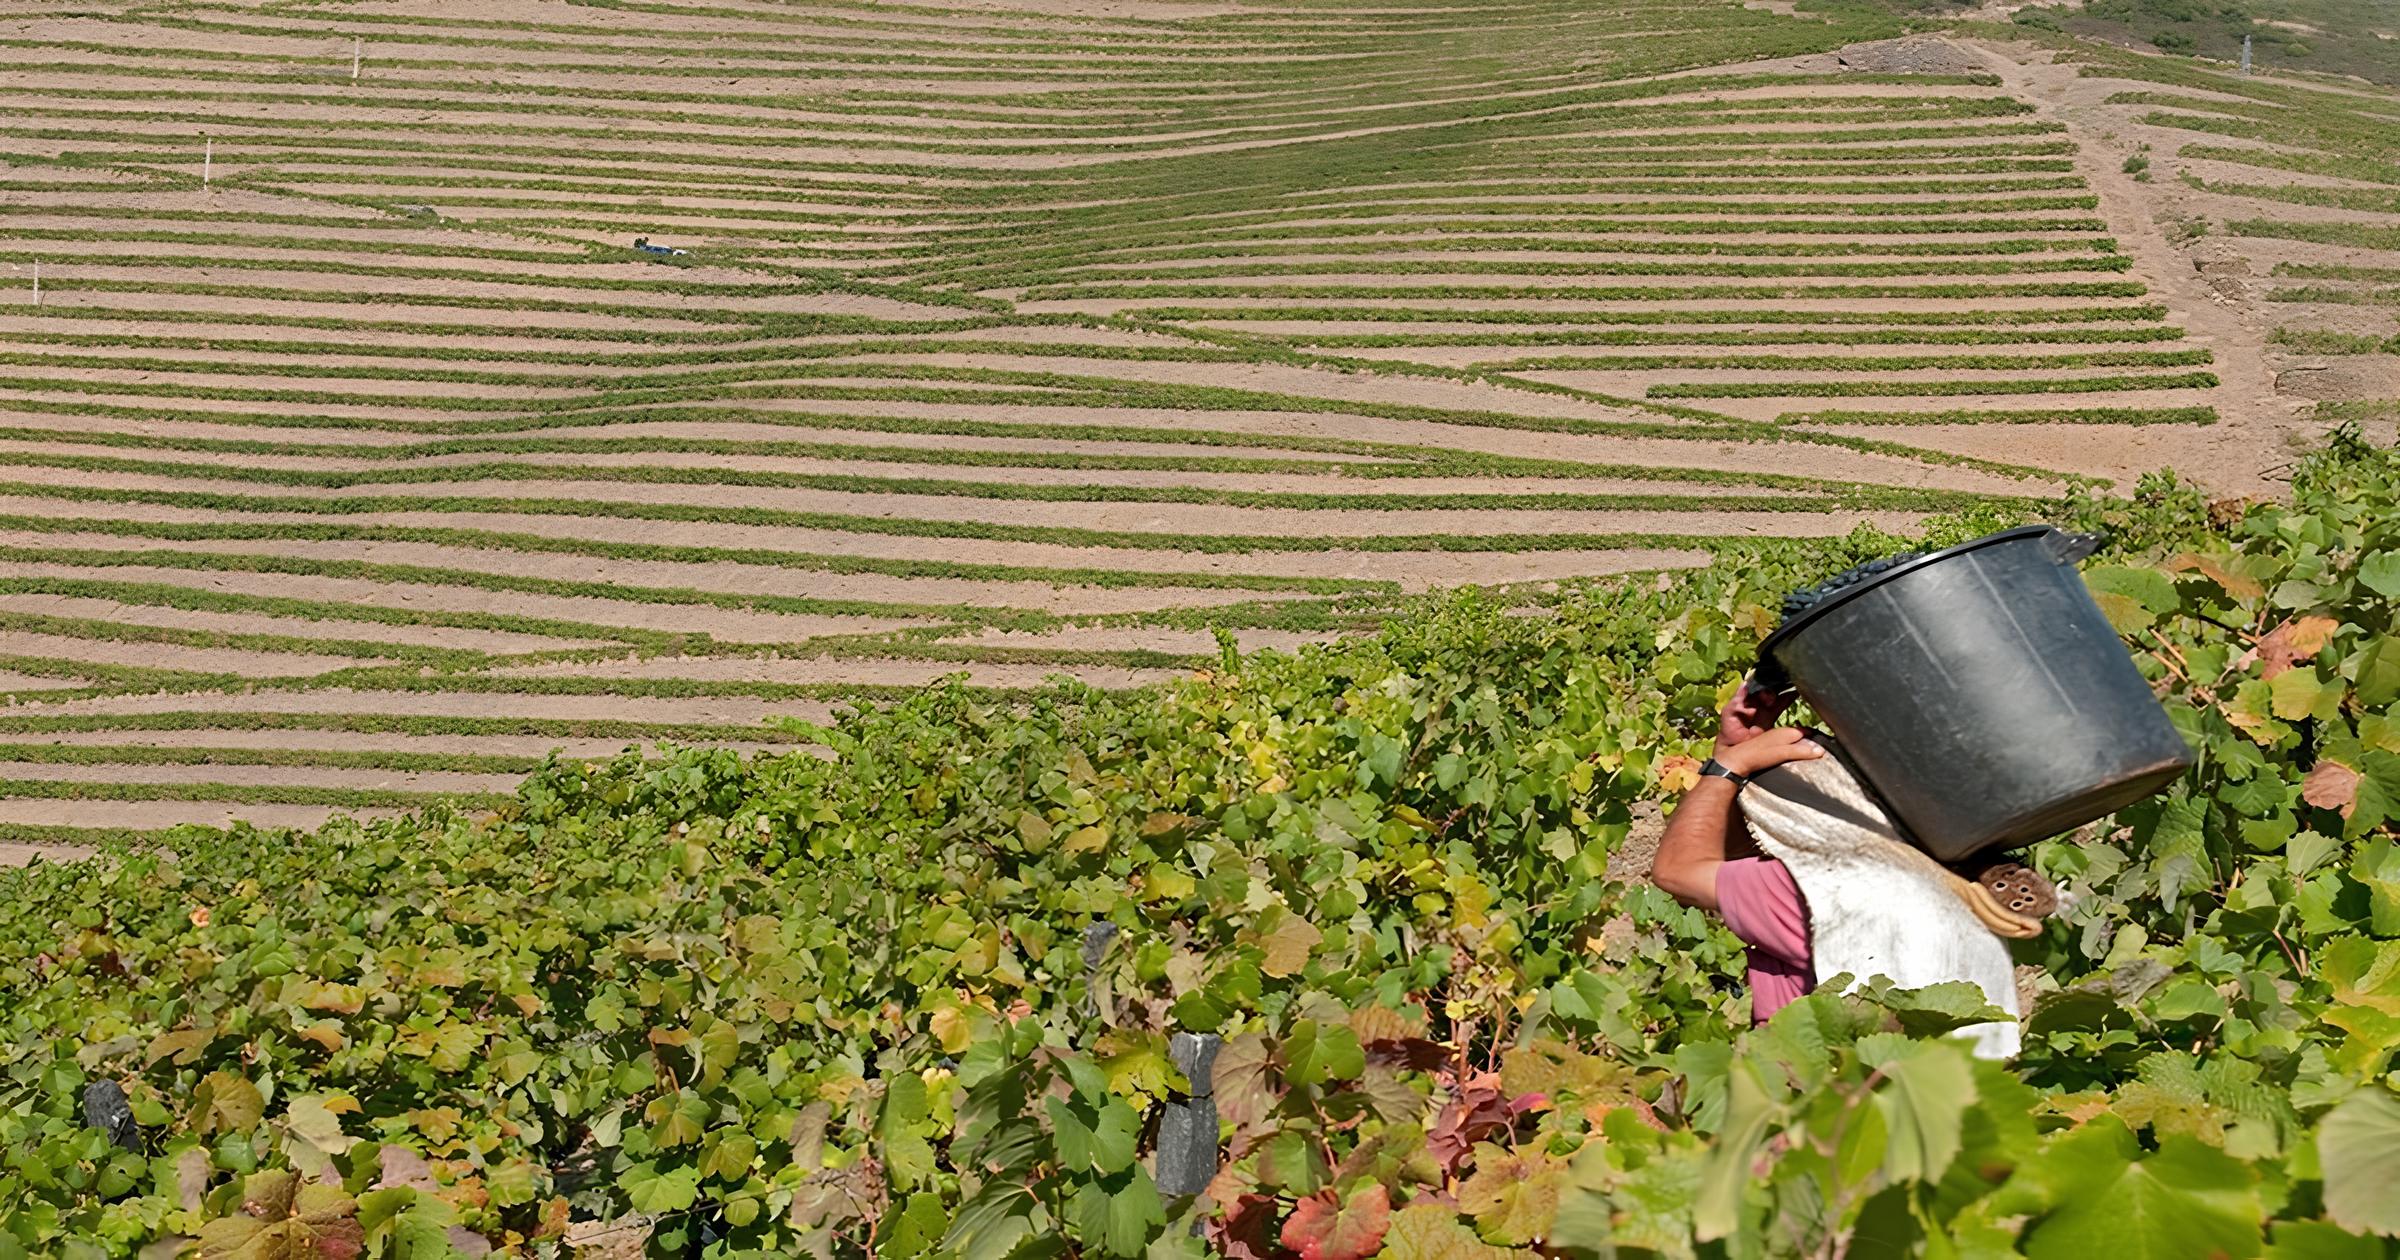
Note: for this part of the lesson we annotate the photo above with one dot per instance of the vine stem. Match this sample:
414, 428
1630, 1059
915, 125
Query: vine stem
1833, 1246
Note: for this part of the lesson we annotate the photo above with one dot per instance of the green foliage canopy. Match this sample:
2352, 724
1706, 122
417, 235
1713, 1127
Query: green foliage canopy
912, 992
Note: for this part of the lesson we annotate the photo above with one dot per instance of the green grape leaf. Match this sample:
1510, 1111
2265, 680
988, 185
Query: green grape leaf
677, 1118
1315, 1053
1726, 1172
2358, 1145
1929, 1086
2318, 1240
2185, 1200
1119, 1219
651, 1190
2375, 671
1098, 1140
2380, 573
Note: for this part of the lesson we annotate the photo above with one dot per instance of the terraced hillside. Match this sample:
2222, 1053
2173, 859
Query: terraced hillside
354, 453
2282, 197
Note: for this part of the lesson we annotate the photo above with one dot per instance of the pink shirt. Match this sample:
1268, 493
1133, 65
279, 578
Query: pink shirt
1762, 905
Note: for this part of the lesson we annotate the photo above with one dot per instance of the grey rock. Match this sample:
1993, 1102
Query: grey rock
106, 1108
1187, 1146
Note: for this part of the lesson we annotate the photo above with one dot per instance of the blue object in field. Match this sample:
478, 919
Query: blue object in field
643, 244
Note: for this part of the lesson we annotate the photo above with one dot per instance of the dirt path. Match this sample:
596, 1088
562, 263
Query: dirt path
2253, 436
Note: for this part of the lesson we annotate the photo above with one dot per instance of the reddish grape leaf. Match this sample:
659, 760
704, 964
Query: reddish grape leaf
2331, 785
1376, 1022
1319, 1229
1243, 1082
1246, 1230
1477, 1110
1416, 1054
2294, 641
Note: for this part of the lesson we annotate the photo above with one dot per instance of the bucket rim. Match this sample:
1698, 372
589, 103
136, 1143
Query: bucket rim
1793, 626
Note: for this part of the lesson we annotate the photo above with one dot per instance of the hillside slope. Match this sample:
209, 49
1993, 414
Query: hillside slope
353, 452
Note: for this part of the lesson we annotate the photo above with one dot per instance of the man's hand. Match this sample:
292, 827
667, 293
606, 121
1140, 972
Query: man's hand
1751, 714
1775, 747
1748, 740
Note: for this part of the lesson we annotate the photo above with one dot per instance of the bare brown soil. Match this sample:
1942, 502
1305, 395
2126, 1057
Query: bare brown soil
731, 624
2241, 454
1122, 518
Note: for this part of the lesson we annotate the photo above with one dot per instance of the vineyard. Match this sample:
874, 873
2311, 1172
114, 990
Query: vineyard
762, 602
356, 457
915, 998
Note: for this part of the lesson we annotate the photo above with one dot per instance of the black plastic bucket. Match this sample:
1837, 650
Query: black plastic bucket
1981, 693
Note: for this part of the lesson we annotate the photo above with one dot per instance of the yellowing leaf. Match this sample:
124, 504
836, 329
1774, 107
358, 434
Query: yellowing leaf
1287, 938
184, 1045
313, 1122
1431, 1232
446, 1046
2125, 614
950, 1028
2295, 693
2218, 569
226, 1102
1513, 1195
321, 995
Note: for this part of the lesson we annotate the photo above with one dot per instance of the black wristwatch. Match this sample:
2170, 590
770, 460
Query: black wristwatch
1710, 768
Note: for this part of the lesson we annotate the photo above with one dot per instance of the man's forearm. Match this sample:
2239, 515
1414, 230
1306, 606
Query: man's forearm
1695, 843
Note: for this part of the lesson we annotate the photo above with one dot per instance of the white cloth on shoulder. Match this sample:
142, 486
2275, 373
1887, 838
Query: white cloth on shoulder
1877, 905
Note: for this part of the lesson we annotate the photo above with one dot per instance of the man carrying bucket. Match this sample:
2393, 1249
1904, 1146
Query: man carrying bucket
1781, 841
1984, 703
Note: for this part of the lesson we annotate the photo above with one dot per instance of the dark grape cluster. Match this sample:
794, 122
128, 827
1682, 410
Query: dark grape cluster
1807, 597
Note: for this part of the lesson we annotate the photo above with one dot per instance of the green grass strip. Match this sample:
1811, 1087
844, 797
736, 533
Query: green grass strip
2079, 415
1851, 389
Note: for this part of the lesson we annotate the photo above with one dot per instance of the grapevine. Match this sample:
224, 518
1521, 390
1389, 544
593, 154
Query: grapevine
910, 993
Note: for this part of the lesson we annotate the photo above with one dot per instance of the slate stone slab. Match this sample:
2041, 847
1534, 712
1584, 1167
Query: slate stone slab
1187, 1128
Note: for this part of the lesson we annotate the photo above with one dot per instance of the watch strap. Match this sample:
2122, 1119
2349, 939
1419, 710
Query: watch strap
1711, 769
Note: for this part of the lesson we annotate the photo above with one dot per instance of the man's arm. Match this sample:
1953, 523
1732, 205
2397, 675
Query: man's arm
1701, 829
1694, 844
